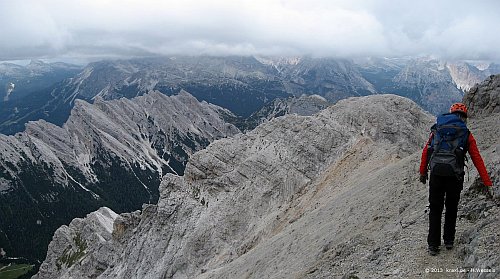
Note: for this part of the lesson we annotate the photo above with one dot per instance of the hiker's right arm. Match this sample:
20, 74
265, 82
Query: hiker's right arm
478, 160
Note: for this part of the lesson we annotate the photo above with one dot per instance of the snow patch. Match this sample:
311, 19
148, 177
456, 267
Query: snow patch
94, 195
10, 88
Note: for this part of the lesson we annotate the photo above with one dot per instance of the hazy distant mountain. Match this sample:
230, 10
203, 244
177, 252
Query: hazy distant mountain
244, 85
110, 153
19, 81
492, 69
334, 79
465, 75
433, 84
304, 105
241, 84
429, 83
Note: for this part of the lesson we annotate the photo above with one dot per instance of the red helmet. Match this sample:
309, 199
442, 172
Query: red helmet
459, 107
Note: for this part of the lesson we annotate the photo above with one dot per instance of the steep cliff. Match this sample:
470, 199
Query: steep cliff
110, 153
241, 195
483, 99
333, 195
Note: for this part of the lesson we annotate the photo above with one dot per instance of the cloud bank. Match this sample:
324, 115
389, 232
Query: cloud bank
95, 29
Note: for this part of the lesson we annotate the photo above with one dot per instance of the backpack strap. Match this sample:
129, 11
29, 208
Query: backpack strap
466, 140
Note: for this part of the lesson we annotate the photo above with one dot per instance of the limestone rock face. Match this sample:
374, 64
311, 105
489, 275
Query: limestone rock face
333, 195
484, 99
109, 153
244, 194
479, 211
72, 243
464, 75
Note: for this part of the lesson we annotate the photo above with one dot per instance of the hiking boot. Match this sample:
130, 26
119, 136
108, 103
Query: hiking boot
433, 250
448, 245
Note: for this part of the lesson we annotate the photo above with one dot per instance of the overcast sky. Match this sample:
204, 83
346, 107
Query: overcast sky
93, 29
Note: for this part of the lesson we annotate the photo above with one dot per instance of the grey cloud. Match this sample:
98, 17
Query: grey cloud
112, 28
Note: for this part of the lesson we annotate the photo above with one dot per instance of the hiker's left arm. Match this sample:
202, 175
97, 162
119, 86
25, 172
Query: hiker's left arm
478, 161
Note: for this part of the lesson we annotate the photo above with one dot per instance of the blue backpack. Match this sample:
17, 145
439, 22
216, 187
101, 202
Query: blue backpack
449, 146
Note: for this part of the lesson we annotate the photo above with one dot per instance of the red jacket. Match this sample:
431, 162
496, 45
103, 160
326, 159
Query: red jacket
474, 154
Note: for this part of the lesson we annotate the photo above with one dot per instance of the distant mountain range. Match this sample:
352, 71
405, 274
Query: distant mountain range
106, 135
433, 84
304, 105
244, 85
18, 81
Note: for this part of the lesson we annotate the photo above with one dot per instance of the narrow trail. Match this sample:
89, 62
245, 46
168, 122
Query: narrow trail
418, 262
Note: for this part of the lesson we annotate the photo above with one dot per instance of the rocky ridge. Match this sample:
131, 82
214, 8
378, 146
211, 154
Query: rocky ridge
109, 153
273, 202
483, 99
334, 195
305, 105
244, 84
240, 84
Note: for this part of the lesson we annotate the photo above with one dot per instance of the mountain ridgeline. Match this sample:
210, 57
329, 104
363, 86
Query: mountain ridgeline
118, 135
333, 195
245, 84
109, 153
305, 105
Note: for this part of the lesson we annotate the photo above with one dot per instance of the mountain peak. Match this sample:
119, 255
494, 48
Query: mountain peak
37, 62
109, 153
484, 99
302, 194
261, 189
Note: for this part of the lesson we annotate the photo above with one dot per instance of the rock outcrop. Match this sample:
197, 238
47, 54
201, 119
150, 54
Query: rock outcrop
480, 213
483, 99
334, 195
109, 153
262, 191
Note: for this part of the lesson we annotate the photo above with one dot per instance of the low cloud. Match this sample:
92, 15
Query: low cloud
132, 28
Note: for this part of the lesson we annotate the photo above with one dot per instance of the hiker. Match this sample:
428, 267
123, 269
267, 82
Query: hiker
444, 155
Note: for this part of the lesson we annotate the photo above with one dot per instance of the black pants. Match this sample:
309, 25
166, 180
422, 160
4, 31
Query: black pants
443, 191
